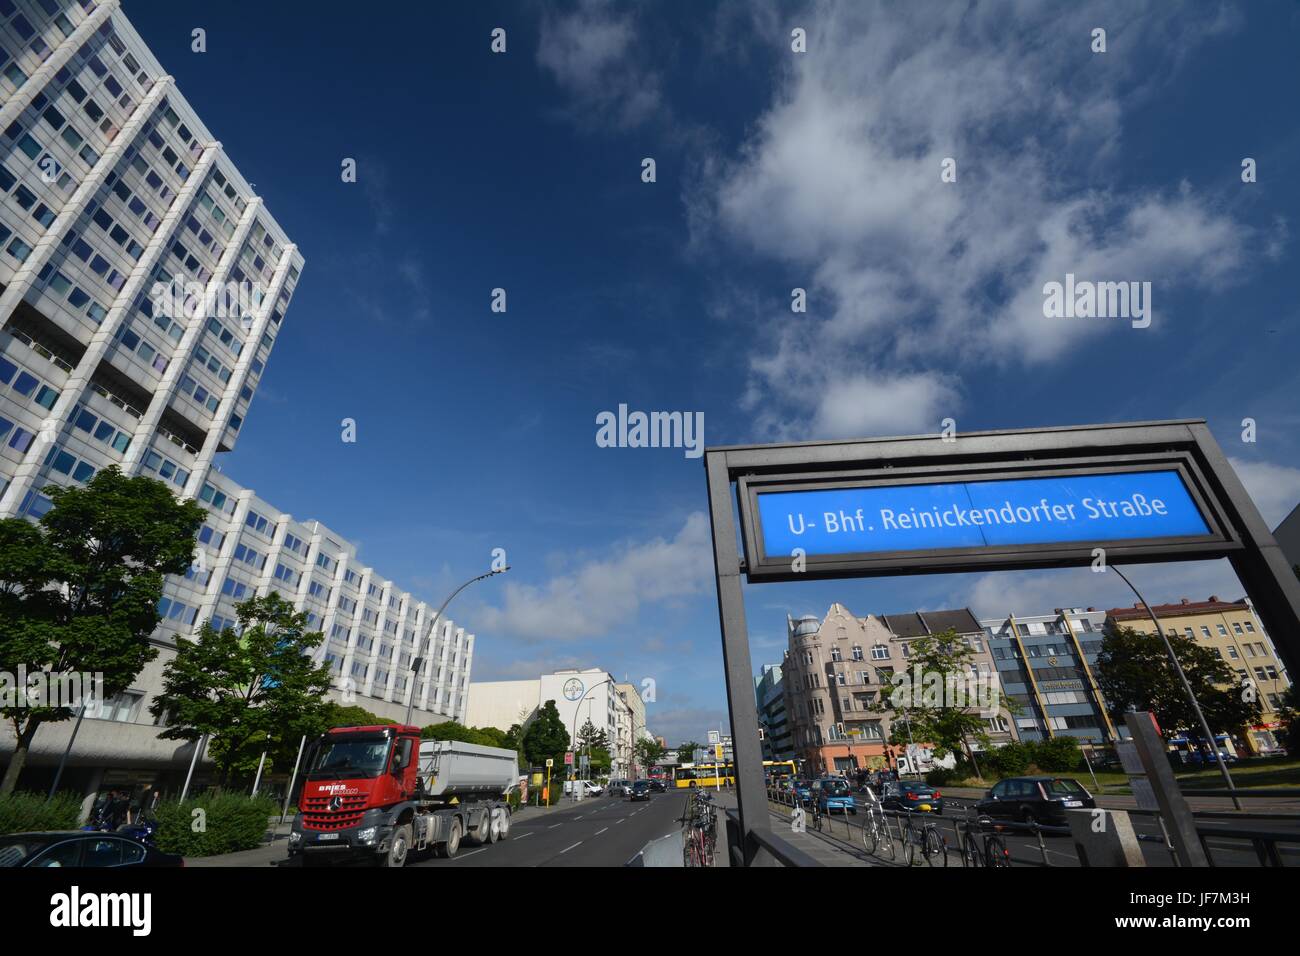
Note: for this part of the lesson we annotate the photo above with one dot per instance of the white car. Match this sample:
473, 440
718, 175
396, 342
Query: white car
589, 788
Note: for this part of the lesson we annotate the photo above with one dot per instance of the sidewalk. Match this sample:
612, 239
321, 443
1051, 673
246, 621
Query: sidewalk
829, 848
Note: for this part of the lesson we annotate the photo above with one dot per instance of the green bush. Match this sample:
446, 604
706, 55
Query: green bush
1058, 755
24, 812
942, 776
1010, 760
229, 822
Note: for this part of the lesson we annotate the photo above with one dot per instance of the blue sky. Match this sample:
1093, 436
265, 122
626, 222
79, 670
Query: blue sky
775, 170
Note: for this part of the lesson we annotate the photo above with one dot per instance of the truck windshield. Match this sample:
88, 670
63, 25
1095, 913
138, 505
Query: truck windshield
350, 757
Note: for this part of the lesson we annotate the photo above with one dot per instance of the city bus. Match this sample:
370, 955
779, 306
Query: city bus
778, 773
703, 775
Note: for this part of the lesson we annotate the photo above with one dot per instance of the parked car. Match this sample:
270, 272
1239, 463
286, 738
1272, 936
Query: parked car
802, 791
911, 795
1035, 800
640, 790
834, 796
589, 788
658, 785
619, 788
80, 848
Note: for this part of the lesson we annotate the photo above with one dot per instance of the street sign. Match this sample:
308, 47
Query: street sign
550, 762
714, 737
861, 523
717, 751
568, 758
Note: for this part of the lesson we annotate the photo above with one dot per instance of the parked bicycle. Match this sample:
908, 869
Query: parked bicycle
700, 829
924, 841
875, 828
979, 847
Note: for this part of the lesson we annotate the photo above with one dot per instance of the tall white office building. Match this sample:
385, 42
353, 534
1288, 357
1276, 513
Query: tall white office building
144, 286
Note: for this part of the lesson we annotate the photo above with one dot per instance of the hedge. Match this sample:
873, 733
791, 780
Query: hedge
229, 823
24, 812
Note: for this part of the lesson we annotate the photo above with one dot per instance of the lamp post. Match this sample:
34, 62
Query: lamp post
577, 710
415, 664
1187, 688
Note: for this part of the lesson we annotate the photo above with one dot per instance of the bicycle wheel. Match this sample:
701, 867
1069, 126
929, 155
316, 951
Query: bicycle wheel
932, 845
995, 852
870, 837
817, 821
970, 854
910, 844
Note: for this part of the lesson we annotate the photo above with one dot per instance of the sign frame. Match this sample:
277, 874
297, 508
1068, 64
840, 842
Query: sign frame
735, 473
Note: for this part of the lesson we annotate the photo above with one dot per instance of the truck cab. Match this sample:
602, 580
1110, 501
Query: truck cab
355, 779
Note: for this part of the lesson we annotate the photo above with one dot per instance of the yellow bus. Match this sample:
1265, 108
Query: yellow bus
778, 772
703, 775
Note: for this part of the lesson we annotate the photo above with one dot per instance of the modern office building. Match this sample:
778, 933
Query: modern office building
1047, 665
144, 287
839, 672
1234, 631
769, 695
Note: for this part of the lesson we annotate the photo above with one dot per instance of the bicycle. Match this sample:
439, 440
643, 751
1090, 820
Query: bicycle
925, 841
700, 830
875, 827
993, 852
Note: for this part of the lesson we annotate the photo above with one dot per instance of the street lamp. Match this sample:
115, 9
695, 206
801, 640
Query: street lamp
415, 664
577, 711
1187, 688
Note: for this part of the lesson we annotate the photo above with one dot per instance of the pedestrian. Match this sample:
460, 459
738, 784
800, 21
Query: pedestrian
118, 806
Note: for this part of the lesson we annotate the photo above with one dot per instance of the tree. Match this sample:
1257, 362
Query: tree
937, 710
451, 730
337, 715
599, 761
649, 752
1134, 669
589, 737
686, 752
79, 591
546, 737
249, 691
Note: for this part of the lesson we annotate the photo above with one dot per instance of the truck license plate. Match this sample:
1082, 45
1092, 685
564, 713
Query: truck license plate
328, 836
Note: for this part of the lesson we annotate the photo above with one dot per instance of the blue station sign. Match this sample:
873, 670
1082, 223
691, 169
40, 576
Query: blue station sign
1077, 509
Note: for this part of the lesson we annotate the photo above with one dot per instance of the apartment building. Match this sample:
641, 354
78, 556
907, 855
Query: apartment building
839, 669
144, 287
769, 695
1047, 665
1234, 632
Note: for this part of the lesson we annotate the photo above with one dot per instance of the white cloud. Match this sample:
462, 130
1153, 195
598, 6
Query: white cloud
601, 597
1274, 488
840, 181
588, 51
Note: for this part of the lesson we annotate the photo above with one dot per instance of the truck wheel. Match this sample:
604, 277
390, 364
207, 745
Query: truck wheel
502, 829
398, 848
450, 848
482, 828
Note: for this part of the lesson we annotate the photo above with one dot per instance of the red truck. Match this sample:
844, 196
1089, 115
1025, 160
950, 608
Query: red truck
382, 793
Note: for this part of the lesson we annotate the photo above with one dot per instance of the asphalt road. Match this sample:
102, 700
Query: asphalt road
599, 831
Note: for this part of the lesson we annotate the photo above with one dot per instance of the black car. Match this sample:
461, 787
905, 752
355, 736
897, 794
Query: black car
658, 786
1035, 800
911, 795
80, 848
640, 790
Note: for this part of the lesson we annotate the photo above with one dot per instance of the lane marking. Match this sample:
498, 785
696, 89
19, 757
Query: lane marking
461, 856
554, 825
528, 834
619, 820
599, 832
568, 848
